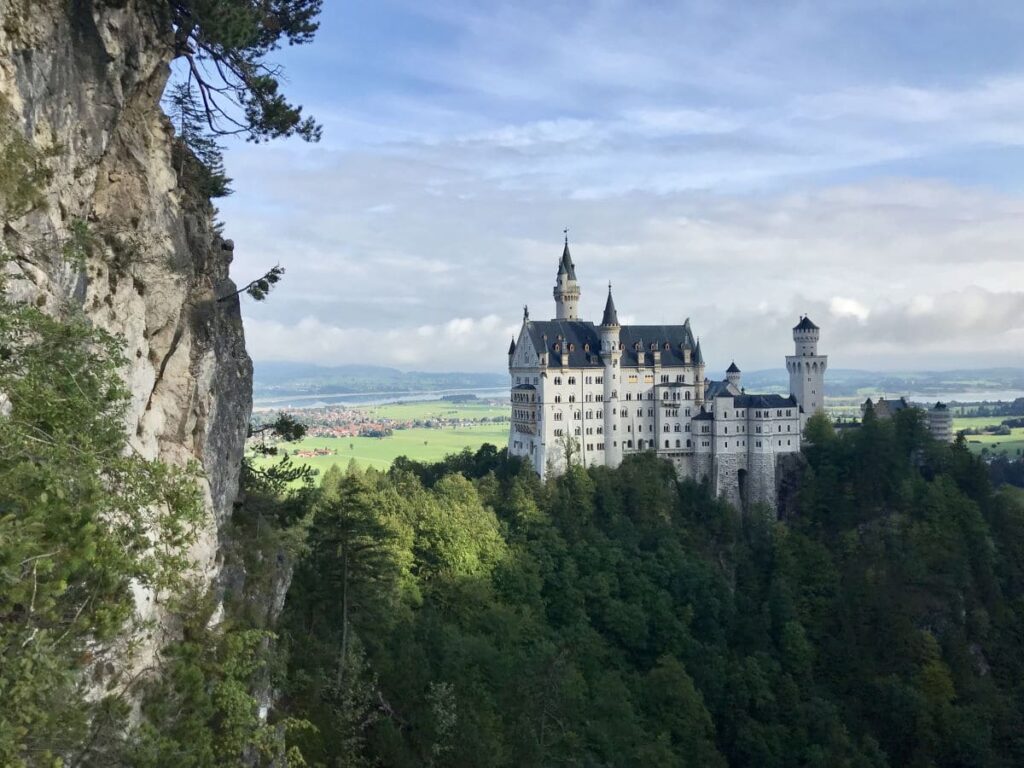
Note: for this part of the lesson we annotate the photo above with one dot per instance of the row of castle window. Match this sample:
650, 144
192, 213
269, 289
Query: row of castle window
522, 397
526, 380
572, 380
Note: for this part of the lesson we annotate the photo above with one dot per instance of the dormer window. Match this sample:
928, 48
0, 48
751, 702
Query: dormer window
636, 347
586, 347
572, 347
558, 347
667, 346
653, 346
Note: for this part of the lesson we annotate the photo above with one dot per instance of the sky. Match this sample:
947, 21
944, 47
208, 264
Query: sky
737, 163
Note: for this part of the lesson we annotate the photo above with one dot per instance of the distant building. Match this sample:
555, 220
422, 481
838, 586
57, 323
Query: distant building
940, 423
591, 394
938, 419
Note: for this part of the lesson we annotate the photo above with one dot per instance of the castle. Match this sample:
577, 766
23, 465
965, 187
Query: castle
590, 394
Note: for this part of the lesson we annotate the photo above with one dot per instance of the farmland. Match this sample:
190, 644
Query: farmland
420, 444
1012, 444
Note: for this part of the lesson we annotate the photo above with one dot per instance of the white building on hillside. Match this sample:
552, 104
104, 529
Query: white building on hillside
591, 394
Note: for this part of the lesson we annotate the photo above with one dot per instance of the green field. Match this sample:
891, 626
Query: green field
420, 444
1012, 444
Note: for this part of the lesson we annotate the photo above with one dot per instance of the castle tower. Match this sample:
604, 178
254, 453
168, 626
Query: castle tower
567, 290
807, 370
610, 356
733, 375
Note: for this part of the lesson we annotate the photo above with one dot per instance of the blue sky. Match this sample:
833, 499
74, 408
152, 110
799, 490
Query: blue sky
735, 163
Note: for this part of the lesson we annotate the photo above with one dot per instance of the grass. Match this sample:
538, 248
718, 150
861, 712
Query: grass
419, 444
1011, 444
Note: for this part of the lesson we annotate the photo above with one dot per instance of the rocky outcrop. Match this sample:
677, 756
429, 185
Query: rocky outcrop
82, 80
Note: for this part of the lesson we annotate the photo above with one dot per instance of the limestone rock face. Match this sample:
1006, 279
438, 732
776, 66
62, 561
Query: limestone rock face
83, 80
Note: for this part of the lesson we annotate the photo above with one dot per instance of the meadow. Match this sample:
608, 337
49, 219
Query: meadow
1012, 444
419, 444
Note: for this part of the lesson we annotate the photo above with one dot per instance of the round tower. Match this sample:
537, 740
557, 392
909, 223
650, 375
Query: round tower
610, 356
733, 375
807, 370
567, 290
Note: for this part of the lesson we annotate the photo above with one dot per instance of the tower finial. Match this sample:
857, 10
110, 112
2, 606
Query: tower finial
566, 232
526, 312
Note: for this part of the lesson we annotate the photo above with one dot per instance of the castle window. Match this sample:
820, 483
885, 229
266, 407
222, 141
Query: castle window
727, 430
665, 429
687, 394
666, 443
667, 346
676, 428
650, 411
572, 348
577, 415
680, 378
639, 411
558, 347
572, 398
586, 347
664, 378
599, 380
688, 444
664, 394
558, 398
558, 415
572, 379
677, 443
726, 443
558, 379
600, 446
629, 395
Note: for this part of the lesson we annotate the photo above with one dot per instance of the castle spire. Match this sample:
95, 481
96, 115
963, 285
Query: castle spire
567, 290
611, 317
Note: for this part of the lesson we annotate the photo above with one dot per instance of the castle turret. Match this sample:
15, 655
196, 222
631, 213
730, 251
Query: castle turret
567, 290
610, 356
807, 370
733, 375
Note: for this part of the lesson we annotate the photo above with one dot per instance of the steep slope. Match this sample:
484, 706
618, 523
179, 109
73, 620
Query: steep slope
81, 80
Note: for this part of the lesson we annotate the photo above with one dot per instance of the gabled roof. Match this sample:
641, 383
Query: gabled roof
610, 317
805, 324
732, 368
565, 266
580, 335
765, 401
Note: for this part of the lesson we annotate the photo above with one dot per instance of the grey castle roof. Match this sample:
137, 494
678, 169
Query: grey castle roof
805, 324
611, 317
512, 347
764, 401
584, 341
565, 266
732, 368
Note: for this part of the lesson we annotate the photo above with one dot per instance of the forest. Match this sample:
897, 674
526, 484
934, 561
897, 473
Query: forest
467, 614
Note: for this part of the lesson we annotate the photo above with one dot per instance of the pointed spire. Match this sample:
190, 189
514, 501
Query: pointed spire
732, 368
565, 265
611, 317
698, 356
512, 347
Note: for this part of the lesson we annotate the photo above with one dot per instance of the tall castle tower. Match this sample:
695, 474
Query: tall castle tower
611, 354
567, 290
807, 370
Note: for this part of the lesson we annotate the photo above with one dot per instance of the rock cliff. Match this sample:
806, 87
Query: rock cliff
81, 81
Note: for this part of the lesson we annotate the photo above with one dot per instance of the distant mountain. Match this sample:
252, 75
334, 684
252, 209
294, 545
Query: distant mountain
281, 378
850, 382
